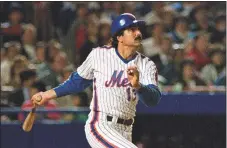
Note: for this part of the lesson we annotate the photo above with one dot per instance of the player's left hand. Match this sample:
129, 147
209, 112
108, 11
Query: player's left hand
133, 76
38, 99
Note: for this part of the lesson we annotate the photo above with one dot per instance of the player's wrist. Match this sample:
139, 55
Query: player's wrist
48, 95
137, 86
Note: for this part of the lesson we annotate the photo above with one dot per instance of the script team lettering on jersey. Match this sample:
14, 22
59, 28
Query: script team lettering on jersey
116, 79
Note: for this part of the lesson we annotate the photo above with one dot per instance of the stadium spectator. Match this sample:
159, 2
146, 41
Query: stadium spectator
91, 41
80, 32
129, 6
157, 33
66, 17
181, 32
221, 80
211, 72
178, 57
219, 33
42, 20
112, 9
28, 42
49, 73
20, 64
41, 53
104, 31
13, 28
76, 35
199, 53
156, 13
199, 19
189, 80
12, 50
27, 78
167, 65
168, 20
54, 48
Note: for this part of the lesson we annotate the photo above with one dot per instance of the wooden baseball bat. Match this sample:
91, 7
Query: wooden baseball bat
29, 121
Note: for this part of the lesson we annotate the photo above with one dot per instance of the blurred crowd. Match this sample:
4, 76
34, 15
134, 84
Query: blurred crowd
42, 43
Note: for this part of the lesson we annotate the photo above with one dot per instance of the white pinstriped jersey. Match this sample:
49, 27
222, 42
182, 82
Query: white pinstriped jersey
113, 93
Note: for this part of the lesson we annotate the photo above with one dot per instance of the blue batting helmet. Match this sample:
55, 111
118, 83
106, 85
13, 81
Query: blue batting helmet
123, 21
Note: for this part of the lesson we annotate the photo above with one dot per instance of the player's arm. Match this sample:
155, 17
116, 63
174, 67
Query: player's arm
73, 85
146, 86
149, 94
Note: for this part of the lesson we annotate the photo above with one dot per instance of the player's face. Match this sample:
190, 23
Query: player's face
132, 37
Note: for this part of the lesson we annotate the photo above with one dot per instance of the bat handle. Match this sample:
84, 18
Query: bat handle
33, 109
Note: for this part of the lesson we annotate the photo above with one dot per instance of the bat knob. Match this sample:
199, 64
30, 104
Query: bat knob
38, 98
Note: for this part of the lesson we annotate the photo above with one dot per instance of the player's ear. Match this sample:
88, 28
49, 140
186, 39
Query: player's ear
120, 39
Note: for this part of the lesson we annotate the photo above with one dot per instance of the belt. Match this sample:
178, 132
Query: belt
121, 121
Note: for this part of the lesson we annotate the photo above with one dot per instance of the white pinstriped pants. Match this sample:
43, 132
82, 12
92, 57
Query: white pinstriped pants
101, 133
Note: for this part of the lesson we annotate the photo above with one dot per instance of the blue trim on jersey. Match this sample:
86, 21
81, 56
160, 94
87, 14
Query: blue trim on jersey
125, 60
74, 84
149, 94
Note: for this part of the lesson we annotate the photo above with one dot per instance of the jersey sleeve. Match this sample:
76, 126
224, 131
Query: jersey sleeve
86, 69
149, 92
150, 74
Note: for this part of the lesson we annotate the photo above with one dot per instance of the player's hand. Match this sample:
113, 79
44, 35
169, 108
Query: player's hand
133, 76
38, 99
42, 97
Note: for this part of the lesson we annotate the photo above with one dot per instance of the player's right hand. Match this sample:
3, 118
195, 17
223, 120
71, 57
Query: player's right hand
133, 76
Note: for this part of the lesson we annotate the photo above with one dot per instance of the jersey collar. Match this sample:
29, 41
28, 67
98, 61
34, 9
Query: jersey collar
124, 60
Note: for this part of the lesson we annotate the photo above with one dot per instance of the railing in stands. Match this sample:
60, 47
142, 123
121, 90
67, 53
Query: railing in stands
12, 110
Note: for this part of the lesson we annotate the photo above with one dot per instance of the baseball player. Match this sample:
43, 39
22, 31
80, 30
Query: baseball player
121, 76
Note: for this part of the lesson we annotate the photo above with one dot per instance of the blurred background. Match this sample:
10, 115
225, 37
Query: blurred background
42, 43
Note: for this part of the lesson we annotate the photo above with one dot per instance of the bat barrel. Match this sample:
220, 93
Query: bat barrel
29, 121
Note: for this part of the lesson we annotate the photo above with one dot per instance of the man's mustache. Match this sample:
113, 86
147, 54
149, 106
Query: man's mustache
138, 38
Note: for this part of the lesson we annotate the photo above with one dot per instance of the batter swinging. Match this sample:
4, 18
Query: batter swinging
121, 76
